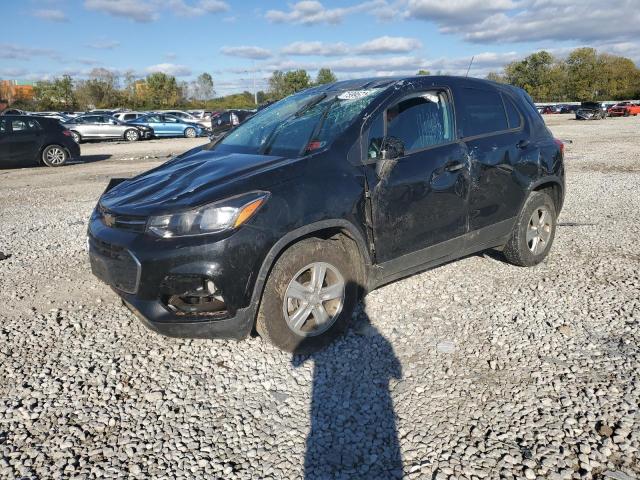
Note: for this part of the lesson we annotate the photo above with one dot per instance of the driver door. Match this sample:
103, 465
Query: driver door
419, 199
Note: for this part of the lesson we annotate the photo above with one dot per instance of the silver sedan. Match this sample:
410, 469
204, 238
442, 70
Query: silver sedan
96, 127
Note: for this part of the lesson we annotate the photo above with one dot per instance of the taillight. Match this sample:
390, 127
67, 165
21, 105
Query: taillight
560, 145
67, 133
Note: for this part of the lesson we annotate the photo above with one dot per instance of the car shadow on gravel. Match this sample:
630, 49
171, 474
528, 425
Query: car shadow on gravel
90, 159
353, 425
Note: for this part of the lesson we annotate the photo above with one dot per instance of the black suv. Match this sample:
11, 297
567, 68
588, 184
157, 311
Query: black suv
26, 141
285, 221
228, 119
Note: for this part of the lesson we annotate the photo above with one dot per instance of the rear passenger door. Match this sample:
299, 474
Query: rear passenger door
5, 139
493, 129
26, 140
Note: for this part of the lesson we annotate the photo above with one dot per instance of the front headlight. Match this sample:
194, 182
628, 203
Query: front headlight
213, 218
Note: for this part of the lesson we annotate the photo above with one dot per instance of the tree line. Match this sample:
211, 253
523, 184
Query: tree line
584, 74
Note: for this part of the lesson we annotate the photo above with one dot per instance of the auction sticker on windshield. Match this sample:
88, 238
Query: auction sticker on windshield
355, 94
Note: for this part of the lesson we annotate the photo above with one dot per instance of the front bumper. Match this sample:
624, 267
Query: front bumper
139, 269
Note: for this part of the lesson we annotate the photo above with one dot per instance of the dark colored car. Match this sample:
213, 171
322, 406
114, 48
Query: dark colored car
591, 111
284, 222
26, 141
225, 121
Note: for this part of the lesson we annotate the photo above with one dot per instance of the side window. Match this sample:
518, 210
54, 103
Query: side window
153, 119
170, 119
3, 125
480, 112
376, 134
420, 121
514, 117
19, 125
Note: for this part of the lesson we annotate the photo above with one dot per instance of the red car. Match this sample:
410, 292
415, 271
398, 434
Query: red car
624, 109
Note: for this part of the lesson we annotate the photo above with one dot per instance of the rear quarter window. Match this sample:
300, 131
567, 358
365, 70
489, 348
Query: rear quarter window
513, 115
480, 112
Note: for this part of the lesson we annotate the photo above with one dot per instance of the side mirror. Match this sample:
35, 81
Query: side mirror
391, 148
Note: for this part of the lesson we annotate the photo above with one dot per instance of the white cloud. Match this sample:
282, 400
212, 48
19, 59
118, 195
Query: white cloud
255, 53
137, 10
144, 11
17, 52
361, 64
388, 44
51, 15
180, 7
316, 48
380, 45
170, 69
310, 12
464, 11
104, 44
511, 21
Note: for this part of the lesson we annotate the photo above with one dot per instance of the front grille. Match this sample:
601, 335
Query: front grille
114, 265
123, 222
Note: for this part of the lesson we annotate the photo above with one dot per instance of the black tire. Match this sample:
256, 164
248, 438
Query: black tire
76, 137
518, 249
131, 135
190, 132
271, 323
54, 156
626, 113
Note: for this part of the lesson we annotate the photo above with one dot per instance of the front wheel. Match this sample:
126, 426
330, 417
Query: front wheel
533, 232
76, 137
309, 296
190, 132
132, 135
54, 156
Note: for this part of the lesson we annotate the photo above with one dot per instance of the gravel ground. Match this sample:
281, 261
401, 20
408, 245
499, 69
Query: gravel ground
477, 369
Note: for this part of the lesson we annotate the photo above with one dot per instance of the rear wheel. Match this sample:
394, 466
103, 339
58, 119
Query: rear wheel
54, 156
309, 296
533, 232
132, 135
190, 132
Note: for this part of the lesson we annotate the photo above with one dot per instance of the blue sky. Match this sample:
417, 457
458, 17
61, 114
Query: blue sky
237, 40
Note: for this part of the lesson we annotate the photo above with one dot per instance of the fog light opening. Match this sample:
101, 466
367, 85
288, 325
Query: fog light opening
191, 295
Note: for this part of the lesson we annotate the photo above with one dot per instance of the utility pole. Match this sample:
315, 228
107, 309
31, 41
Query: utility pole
255, 90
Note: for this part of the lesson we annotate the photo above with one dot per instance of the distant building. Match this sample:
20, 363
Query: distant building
12, 90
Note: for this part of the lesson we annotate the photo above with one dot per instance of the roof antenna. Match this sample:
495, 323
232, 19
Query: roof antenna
469, 68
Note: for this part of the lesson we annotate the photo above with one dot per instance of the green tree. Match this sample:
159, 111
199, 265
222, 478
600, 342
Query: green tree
583, 70
161, 91
277, 85
204, 87
496, 77
296, 81
423, 72
325, 75
55, 95
534, 74
101, 90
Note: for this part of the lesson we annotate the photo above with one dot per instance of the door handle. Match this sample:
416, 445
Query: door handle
522, 144
454, 167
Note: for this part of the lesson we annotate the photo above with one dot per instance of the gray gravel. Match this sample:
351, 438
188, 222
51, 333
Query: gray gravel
474, 370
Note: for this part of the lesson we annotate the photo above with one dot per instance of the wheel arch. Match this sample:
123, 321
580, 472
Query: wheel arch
553, 186
339, 229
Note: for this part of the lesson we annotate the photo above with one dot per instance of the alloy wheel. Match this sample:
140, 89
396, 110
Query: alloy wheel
55, 156
132, 136
539, 230
314, 299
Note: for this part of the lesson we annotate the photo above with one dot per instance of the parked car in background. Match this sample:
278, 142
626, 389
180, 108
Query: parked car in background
103, 127
568, 108
128, 116
551, 109
591, 111
624, 109
186, 117
27, 141
283, 223
228, 119
164, 125
61, 117
13, 111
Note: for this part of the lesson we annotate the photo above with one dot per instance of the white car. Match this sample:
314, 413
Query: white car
128, 116
187, 117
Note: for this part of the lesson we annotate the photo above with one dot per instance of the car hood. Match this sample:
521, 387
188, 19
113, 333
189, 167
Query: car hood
185, 182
